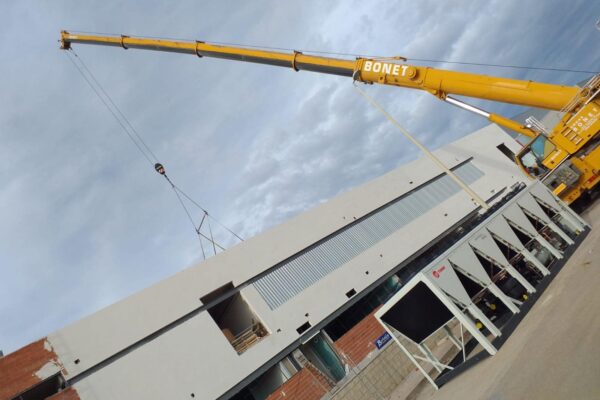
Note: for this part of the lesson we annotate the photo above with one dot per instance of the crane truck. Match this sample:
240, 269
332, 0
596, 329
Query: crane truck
566, 158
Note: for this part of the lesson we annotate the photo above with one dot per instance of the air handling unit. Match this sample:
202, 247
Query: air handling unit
481, 287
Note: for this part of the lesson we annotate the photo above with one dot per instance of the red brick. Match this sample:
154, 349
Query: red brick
356, 344
302, 386
17, 370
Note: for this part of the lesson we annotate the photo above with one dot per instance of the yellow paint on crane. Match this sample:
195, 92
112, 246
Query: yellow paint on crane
572, 139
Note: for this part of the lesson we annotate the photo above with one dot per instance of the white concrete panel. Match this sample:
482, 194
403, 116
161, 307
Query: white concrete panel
194, 358
105, 333
151, 309
113, 328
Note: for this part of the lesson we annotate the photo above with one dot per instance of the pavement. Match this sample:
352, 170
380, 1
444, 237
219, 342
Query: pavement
554, 353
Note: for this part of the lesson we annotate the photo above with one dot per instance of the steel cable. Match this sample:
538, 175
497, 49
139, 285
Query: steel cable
144, 149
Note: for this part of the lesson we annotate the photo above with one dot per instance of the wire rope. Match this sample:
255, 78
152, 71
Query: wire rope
145, 150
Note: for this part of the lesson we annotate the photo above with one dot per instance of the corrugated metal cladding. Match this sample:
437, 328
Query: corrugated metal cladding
308, 267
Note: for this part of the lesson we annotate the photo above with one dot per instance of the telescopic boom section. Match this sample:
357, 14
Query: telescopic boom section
388, 72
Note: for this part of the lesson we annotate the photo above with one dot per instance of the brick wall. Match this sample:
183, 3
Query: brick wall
17, 370
385, 372
356, 344
304, 385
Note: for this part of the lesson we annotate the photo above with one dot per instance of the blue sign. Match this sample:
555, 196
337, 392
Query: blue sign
382, 340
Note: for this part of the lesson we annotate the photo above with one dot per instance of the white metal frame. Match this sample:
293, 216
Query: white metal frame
440, 275
458, 310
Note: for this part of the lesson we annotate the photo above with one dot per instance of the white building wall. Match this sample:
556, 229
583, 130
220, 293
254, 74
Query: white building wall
194, 356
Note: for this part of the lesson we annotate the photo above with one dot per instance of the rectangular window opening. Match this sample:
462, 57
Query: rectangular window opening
506, 151
303, 328
242, 328
44, 389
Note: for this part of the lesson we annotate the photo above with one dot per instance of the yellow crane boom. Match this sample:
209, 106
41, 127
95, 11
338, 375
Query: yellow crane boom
438, 82
567, 158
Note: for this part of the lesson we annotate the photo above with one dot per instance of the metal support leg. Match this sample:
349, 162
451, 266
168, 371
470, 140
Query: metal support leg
550, 248
517, 302
520, 278
536, 263
408, 354
462, 318
476, 312
429, 355
572, 216
495, 290
561, 233
452, 338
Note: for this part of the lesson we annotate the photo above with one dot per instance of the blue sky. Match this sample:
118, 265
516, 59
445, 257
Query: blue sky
85, 221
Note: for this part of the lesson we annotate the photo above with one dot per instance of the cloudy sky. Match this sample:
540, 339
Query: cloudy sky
85, 220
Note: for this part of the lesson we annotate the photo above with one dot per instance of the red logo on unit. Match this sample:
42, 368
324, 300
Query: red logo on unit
437, 272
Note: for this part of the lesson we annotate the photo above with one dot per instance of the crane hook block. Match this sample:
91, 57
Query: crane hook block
159, 168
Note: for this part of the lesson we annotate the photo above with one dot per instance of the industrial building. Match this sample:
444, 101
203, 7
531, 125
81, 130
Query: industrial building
288, 314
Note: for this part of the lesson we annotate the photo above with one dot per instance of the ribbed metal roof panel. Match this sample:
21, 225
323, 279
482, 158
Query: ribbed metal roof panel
309, 266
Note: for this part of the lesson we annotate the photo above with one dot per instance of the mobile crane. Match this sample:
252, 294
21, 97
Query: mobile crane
566, 159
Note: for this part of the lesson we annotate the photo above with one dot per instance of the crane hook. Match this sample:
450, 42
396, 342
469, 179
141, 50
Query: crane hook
159, 168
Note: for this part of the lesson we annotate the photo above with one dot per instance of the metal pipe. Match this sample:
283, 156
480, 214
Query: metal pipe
466, 106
